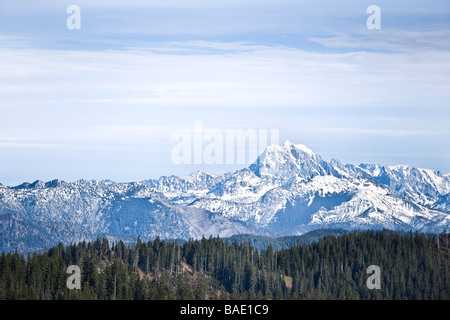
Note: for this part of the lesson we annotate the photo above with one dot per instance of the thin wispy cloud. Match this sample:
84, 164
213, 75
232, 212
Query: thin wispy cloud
259, 76
388, 40
382, 132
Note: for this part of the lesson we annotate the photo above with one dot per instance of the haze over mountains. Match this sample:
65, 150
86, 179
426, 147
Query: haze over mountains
288, 190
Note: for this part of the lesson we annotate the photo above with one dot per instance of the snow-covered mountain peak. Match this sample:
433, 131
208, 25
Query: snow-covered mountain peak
289, 148
298, 147
284, 162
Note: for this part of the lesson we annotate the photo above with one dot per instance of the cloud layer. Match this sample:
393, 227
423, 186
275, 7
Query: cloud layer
103, 101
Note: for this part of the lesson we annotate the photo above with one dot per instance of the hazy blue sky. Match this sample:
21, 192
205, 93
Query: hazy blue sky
102, 102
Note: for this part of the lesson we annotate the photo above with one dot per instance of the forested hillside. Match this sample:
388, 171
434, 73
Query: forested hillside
413, 266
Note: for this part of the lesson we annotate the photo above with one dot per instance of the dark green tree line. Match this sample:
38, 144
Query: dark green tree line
413, 266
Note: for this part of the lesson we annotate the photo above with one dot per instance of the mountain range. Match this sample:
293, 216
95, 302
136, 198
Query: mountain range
289, 190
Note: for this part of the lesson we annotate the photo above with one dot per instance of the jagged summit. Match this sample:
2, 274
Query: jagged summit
38, 184
284, 162
298, 147
289, 146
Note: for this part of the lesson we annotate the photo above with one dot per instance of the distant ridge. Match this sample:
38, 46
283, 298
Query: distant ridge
263, 242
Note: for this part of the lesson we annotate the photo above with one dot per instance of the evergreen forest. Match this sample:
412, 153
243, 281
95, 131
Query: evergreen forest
413, 266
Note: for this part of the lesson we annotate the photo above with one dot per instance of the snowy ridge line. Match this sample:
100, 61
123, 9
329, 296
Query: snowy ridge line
288, 190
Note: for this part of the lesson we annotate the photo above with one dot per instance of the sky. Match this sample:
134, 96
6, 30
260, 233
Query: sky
104, 101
